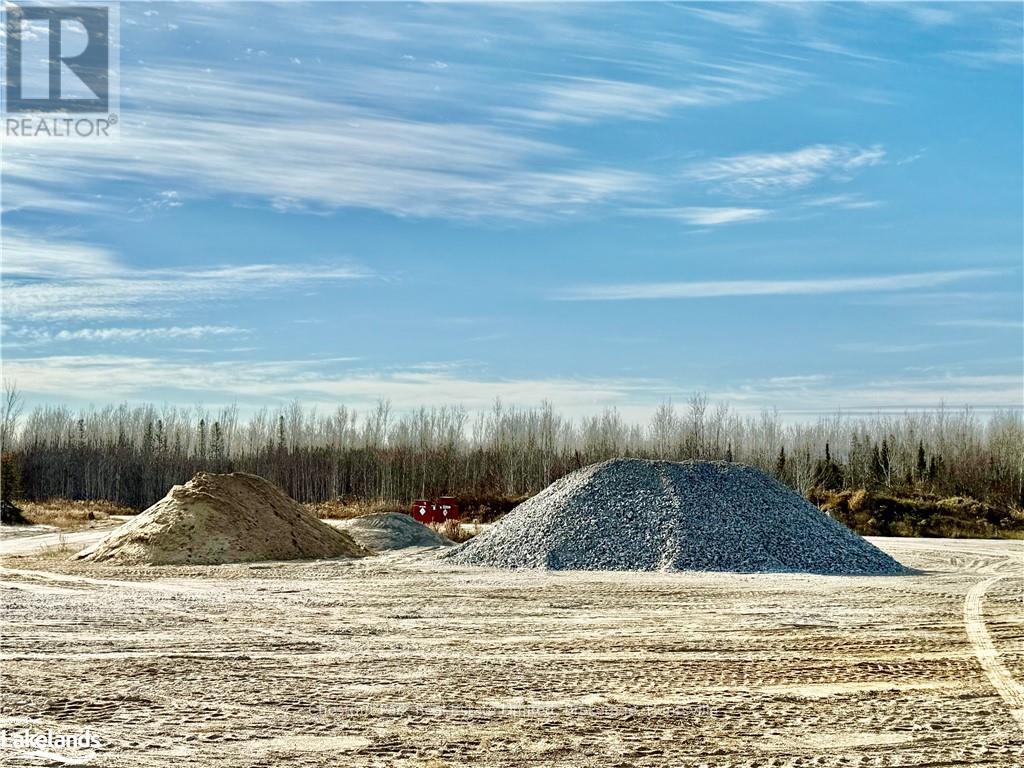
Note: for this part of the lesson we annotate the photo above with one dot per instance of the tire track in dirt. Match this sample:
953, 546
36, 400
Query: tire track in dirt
1008, 688
31, 579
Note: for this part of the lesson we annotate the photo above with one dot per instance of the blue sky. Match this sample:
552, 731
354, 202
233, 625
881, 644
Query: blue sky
805, 206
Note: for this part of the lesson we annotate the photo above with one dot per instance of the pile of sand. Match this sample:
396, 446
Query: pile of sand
392, 531
637, 515
222, 519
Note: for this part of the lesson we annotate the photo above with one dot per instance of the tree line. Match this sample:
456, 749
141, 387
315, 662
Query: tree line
133, 454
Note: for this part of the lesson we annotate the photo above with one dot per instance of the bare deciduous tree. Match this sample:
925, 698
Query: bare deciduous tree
133, 454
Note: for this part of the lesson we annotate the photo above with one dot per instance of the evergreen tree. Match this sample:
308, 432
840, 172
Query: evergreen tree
885, 461
201, 447
217, 446
877, 472
827, 473
10, 478
161, 437
780, 463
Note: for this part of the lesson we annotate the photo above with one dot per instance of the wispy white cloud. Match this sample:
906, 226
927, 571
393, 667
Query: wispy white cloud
715, 216
27, 194
709, 216
846, 201
204, 133
929, 15
35, 336
981, 323
110, 377
913, 157
830, 392
746, 20
586, 99
779, 172
1007, 53
38, 257
1002, 46
886, 348
728, 288
838, 49
945, 300
53, 280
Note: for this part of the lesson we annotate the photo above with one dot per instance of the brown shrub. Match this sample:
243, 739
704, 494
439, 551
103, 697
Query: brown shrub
67, 515
458, 532
859, 501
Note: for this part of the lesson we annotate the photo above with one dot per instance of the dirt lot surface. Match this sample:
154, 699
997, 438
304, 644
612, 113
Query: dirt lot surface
399, 661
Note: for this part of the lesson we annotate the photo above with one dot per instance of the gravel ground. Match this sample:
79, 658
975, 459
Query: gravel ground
392, 530
399, 661
638, 515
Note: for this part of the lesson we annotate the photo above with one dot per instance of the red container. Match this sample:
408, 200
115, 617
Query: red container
448, 508
435, 510
423, 511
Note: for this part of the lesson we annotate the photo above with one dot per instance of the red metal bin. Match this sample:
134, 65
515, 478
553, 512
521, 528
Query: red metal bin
423, 511
448, 508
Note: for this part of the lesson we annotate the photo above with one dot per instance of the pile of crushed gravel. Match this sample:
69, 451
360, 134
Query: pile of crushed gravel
215, 519
638, 515
392, 531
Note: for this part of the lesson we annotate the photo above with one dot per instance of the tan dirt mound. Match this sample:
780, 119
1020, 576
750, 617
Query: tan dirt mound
215, 519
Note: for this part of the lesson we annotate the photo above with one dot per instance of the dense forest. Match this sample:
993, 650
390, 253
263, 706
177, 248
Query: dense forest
133, 454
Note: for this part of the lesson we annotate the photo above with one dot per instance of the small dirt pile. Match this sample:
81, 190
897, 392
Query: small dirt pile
216, 519
637, 515
392, 530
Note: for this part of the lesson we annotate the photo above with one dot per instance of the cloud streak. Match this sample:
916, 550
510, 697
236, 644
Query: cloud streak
733, 288
711, 216
588, 99
781, 172
38, 257
237, 135
106, 378
120, 335
981, 323
48, 280
125, 376
827, 393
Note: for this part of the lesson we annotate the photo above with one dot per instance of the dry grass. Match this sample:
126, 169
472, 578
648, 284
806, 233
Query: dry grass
59, 551
346, 509
457, 532
69, 515
876, 513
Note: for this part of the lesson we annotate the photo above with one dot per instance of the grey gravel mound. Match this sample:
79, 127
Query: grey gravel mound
638, 515
211, 519
392, 530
